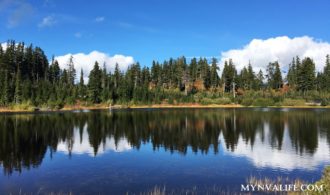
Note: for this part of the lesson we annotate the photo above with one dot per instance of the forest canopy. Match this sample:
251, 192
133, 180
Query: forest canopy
27, 76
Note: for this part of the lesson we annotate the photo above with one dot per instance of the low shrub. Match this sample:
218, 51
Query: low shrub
219, 101
293, 102
325, 102
325, 181
247, 102
26, 105
263, 102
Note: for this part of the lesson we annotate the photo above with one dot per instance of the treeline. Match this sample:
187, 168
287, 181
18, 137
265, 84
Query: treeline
27, 76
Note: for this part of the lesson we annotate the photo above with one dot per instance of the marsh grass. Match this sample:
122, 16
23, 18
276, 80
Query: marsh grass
325, 180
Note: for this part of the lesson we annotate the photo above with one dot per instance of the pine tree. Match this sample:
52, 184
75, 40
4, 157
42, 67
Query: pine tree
18, 90
278, 81
205, 73
299, 74
229, 75
178, 73
117, 76
260, 80
6, 90
307, 75
95, 84
292, 74
193, 69
105, 84
250, 76
54, 72
243, 79
82, 85
214, 77
274, 75
71, 71
326, 73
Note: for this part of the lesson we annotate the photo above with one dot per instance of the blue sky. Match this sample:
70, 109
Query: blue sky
158, 29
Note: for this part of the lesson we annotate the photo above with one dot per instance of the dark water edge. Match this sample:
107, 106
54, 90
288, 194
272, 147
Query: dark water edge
200, 150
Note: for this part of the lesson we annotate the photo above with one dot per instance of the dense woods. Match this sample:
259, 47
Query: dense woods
28, 78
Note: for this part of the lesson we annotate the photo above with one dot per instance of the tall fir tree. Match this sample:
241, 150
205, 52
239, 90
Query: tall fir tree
274, 75
18, 90
260, 80
95, 84
81, 88
71, 71
307, 75
229, 75
214, 77
326, 73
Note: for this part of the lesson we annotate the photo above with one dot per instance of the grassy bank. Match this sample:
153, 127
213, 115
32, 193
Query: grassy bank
31, 108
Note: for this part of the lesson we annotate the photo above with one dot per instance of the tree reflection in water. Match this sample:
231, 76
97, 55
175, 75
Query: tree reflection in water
25, 138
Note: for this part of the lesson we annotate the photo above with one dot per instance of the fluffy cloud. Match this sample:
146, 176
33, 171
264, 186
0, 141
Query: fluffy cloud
47, 22
261, 155
81, 145
4, 46
260, 52
87, 61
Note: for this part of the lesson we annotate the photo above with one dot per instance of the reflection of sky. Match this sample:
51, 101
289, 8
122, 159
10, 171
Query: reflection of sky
83, 146
263, 155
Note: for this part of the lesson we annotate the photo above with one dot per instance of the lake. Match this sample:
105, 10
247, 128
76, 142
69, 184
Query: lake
180, 150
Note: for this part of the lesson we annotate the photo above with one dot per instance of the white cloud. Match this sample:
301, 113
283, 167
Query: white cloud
47, 22
81, 145
99, 19
4, 46
263, 155
283, 49
87, 61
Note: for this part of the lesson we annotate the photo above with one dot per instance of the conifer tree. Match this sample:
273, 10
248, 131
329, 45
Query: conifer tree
250, 76
95, 84
307, 75
260, 80
229, 75
81, 85
6, 90
193, 69
292, 74
326, 73
214, 77
71, 71
274, 75
18, 91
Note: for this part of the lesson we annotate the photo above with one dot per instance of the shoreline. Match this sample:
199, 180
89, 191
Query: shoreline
154, 106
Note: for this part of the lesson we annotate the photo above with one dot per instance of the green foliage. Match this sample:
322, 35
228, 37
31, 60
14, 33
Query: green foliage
247, 102
229, 75
274, 75
263, 102
325, 102
306, 73
94, 84
325, 181
26, 106
26, 75
293, 102
216, 101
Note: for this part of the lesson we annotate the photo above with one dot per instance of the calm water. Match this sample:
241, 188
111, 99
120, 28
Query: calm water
134, 151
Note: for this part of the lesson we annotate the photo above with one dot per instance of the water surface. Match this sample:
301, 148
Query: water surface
205, 150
